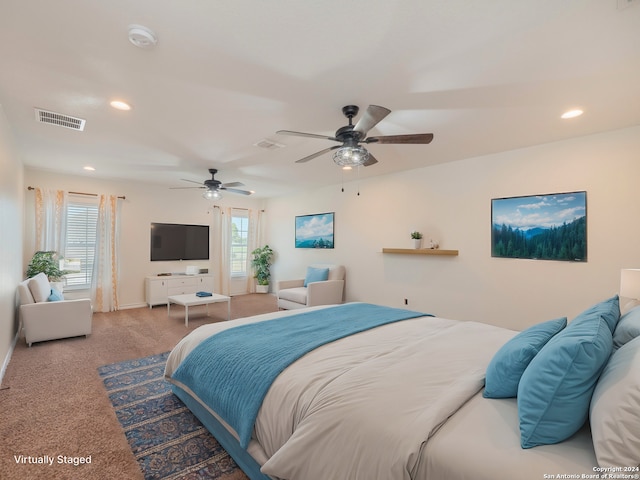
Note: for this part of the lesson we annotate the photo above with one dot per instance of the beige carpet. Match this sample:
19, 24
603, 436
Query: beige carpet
53, 402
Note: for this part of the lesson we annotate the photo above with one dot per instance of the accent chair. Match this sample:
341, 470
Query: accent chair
45, 316
322, 285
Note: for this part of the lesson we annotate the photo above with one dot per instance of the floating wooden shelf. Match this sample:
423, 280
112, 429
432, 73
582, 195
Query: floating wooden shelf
420, 251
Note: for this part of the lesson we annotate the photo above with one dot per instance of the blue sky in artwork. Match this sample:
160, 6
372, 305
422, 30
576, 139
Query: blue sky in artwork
540, 211
314, 226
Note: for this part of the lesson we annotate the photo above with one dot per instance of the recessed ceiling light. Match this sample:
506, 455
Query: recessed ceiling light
89, 168
572, 113
120, 105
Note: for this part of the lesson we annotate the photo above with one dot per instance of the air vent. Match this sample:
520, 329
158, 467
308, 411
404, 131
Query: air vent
60, 120
268, 144
626, 3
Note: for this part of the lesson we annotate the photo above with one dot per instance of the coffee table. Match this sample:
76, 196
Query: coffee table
191, 299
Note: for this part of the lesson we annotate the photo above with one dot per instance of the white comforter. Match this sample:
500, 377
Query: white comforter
364, 406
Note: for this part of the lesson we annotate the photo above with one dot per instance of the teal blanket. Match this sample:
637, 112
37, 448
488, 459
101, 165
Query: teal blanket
233, 370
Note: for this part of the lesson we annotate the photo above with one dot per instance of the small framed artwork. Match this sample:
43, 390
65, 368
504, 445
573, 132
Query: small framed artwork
314, 231
540, 227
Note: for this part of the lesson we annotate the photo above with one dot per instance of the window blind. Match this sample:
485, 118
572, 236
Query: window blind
239, 242
82, 220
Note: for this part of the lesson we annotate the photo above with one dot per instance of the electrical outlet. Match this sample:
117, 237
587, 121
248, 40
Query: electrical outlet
406, 301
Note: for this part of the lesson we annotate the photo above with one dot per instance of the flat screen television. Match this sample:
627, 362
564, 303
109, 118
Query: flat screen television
173, 241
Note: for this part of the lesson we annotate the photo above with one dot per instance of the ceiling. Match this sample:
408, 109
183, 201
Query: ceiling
483, 77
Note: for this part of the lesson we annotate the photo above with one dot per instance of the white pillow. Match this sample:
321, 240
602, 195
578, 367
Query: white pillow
39, 287
628, 328
615, 409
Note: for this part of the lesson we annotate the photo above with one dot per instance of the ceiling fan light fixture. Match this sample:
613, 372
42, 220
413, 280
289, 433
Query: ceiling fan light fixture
212, 194
350, 156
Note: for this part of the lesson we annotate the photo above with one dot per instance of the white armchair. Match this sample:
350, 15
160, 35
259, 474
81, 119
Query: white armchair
50, 320
309, 291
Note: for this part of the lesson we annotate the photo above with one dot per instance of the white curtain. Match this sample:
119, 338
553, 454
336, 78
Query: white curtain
222, 225
51, 220
104, 284
255, 240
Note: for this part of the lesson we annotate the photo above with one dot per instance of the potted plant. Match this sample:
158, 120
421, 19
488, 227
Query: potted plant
417, 239
49, 264
261, 262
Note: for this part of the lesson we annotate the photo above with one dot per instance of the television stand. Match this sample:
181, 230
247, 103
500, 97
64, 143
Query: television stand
158, 288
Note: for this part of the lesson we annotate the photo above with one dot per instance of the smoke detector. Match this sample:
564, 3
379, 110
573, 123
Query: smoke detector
142, 37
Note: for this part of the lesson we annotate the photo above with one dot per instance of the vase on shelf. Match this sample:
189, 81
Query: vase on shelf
417, 243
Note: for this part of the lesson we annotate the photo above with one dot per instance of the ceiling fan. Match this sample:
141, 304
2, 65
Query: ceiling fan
213, 186
351, 153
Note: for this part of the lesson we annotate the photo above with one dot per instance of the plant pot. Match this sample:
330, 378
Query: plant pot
417, 243
262, 288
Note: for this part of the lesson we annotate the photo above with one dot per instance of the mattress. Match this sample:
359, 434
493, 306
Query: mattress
481, 441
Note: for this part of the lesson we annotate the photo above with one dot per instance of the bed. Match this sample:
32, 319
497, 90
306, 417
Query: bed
399, 398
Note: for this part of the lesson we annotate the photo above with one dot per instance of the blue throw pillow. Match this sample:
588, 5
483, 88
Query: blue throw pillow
556, 388
316, 275
509, 363
55, 296
608, 309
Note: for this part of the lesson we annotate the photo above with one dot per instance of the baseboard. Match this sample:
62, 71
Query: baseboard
132, 305
7, 359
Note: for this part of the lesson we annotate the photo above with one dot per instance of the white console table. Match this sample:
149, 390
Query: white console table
159, 288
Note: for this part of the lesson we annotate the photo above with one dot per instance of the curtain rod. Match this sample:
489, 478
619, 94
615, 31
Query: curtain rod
82, 193
240, 208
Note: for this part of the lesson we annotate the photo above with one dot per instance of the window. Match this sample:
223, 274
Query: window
80, 247
239, 242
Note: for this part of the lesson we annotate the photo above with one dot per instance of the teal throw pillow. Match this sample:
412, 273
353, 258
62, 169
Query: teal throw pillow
55, 296
556, 388
608, 309
509, 363
316, 275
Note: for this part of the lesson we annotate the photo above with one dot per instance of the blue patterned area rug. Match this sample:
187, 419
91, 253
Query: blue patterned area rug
168, 441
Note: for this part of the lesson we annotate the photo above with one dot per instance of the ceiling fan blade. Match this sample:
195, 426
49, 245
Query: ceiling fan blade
232, 184
421, 138
317, 154
192, 181
184, 188
371, 118
235, 190
370, 161
309, 135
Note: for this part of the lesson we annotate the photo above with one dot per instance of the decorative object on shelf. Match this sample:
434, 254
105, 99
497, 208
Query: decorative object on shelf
540, 227
48, 263
417, 239
314, 231
433, 244
261, 263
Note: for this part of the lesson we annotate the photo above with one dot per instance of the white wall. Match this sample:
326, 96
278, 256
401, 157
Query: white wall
144, 203
11, 231
452, 203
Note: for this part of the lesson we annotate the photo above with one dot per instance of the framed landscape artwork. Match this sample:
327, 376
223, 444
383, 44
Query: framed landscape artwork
541, 227
314, 231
